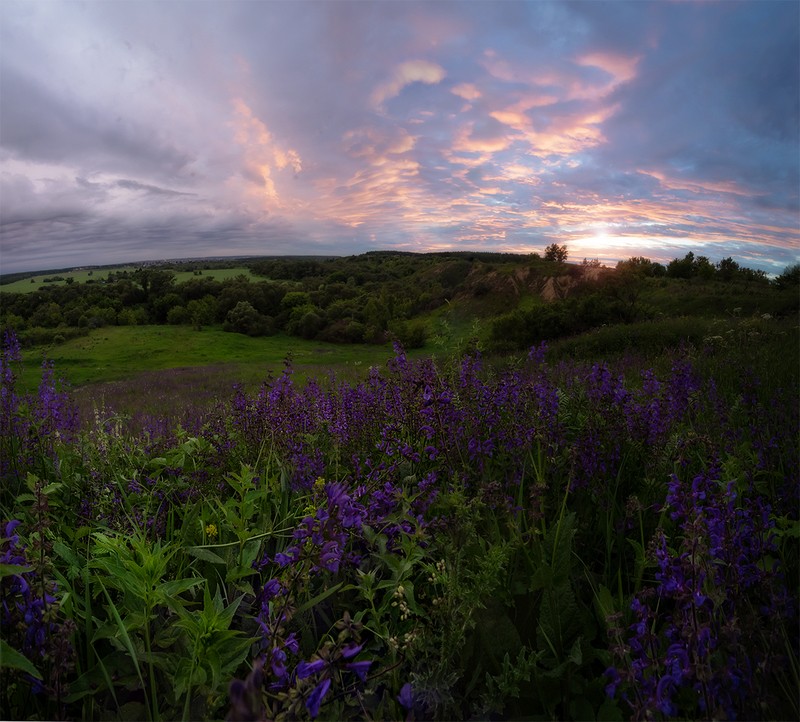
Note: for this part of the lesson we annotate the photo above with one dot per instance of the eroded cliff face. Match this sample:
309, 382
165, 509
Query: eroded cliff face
527, 281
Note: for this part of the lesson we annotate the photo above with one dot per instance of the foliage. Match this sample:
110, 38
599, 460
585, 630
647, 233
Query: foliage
790, 278
556, 253
380, 296
243, 318
459, 539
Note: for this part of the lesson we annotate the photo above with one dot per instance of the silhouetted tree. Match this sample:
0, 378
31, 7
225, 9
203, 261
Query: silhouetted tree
790, 277
556, 253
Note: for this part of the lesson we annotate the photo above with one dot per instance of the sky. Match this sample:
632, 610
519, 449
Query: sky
135, 130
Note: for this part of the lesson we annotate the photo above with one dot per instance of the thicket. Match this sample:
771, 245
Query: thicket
559, 540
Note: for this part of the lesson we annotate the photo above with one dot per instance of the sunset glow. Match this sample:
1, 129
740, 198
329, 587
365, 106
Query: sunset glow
146, 130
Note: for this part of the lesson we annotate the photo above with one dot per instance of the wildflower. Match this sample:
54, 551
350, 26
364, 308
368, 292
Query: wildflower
306, 669
406, 696
272, 589
315, 698
351, 650
359, 668
211, 531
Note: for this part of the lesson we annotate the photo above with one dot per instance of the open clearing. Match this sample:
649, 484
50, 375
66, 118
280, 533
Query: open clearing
115, 353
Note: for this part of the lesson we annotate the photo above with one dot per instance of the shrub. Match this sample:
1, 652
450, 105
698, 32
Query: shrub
243, 318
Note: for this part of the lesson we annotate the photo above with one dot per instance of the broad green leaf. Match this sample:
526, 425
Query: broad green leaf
250, 552
11, 658
205, 555
177, 586
12, 570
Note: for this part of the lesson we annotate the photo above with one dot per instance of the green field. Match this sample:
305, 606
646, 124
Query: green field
34, 283
119, 352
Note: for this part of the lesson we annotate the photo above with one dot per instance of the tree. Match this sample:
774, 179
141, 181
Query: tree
681, 268
243, 318
641, 266
790, 277
178, 315
556, 253
202, 311
728, 269
703, 268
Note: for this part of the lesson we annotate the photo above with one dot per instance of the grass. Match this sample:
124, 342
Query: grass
29, 285
115, 353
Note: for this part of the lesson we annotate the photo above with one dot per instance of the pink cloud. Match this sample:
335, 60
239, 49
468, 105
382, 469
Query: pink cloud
467, 91
412, 71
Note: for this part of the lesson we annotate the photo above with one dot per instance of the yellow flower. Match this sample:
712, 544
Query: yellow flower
211, 531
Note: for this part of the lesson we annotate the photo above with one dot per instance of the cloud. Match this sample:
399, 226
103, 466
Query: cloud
42, 124
468, 91
147, 188
343, 126
411, 71
261, 154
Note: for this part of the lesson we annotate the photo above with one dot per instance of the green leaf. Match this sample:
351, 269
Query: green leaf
558, 620
225, 616
124, 638
205, 555
408, 587
236, 573
10, 657
316, 600
12, 570
640, 562
132, 711
183, 677
575, 654
604, 603
67, 554
177, 586
542, 578
559, 539
250, 552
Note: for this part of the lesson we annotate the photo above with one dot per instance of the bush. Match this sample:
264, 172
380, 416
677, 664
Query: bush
178, 315
243, 318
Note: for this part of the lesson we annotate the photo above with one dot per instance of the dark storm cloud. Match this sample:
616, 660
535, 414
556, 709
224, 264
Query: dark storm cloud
147, 188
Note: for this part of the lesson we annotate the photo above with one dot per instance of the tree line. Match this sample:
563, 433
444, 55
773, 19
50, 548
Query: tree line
369, 298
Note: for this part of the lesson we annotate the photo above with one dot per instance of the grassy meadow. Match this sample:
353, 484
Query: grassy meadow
142, 372
115, 353
99, 275
545, 536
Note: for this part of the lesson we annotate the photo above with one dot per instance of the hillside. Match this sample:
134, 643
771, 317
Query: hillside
504, 302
